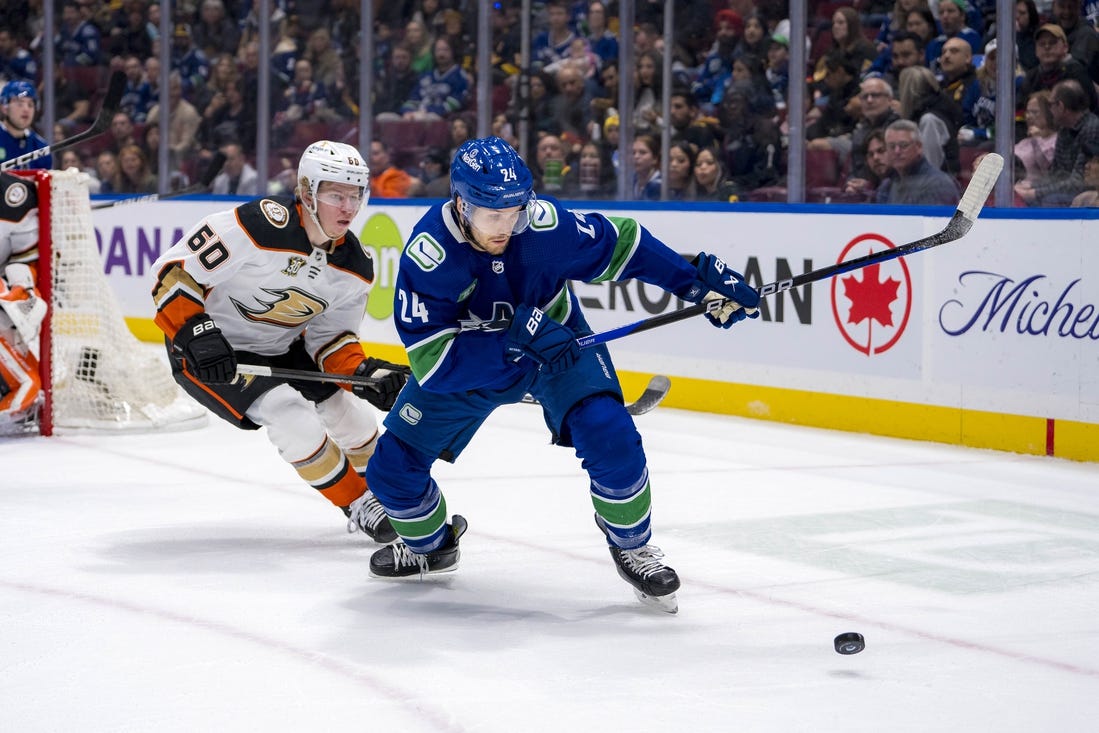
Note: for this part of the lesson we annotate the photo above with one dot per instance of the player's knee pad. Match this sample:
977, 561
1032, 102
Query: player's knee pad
292, 422
19, 380
350, 421
400, 476
607, 441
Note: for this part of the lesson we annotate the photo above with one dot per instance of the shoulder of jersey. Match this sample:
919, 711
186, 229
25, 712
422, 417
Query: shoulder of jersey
355, 256
546, 216
272, 223
432, 247
17, 197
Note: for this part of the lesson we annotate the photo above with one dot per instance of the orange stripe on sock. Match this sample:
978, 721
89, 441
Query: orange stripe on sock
347, 489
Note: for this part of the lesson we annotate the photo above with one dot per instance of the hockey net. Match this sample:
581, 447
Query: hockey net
95, 374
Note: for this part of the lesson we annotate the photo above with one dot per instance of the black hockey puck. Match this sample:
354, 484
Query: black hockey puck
850, 642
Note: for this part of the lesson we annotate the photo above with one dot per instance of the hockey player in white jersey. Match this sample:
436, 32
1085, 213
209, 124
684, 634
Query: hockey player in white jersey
21, 309
282, 282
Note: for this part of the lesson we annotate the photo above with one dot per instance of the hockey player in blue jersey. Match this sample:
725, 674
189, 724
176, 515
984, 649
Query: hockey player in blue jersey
19, 104
483, 308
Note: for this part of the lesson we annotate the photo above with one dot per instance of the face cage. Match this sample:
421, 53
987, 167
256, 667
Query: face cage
522, 223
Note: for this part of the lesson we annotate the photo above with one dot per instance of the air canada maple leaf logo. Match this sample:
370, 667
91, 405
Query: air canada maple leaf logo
871, 305
870, 296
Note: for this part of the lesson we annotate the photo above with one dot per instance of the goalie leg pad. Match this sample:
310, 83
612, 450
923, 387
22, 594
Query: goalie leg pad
20, 384
25, 311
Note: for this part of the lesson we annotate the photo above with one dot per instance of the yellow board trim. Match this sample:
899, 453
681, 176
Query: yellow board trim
971, 428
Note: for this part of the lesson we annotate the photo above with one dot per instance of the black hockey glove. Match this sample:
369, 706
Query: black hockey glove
539, 337
388, 380
715, 281
208, 355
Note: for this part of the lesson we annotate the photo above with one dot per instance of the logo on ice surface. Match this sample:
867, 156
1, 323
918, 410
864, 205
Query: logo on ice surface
871, 305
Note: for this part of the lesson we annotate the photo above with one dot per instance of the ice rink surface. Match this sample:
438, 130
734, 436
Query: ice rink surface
190, 581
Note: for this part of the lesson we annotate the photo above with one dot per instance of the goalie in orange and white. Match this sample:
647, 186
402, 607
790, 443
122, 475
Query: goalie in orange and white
21, 310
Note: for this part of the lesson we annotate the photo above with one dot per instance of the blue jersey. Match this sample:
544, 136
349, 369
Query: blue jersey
80, 46
440, 92
13, 147
21, 66
451, 299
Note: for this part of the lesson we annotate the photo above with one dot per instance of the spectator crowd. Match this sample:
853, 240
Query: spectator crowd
900, 97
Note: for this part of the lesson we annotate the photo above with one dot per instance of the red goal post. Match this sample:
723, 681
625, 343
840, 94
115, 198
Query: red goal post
96, 375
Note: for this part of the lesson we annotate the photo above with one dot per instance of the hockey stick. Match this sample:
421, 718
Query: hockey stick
202, 186
652, 395
973, 200
102, 121
303, 375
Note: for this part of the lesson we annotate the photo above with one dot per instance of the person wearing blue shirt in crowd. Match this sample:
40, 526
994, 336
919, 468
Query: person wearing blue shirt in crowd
718, 64
16, 64
483, 306
189, 60
604, 43
553, 43
79, 42
18, 105
442, 90
952, 19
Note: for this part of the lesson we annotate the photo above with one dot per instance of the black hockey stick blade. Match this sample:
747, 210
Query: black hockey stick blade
202, 186
969, 208
111, 100
653, 394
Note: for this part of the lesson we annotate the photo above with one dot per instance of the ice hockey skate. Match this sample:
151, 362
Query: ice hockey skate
366, 514
654, 583
398, 561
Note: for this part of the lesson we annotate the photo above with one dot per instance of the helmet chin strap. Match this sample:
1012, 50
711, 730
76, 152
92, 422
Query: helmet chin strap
464, 225
312, 211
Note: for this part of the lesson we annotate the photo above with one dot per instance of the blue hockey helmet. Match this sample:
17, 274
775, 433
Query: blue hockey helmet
15, 89
487, 172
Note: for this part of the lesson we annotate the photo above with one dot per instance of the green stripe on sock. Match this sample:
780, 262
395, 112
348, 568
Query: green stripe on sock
623, 513
413, 529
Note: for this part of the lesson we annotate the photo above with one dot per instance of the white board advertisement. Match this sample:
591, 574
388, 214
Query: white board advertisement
1005, 320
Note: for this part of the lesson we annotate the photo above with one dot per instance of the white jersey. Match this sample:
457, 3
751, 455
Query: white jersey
255, 272
18, 221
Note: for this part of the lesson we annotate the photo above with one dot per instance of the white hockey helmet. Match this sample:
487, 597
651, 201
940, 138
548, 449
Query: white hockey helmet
326, 160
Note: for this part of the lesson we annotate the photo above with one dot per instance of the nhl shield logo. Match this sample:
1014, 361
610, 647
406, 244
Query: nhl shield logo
498, 266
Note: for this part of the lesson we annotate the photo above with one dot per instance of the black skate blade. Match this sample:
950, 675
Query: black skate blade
415, 576
667, 604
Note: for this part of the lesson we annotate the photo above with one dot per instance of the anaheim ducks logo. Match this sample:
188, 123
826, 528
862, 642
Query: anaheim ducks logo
289, 308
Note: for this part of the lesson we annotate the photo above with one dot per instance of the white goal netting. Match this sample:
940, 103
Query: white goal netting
100, 377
